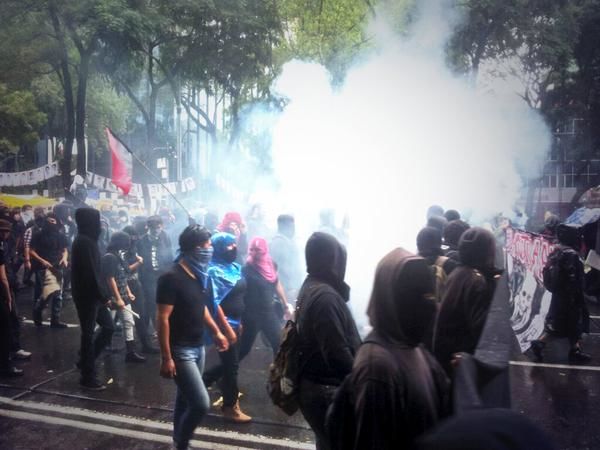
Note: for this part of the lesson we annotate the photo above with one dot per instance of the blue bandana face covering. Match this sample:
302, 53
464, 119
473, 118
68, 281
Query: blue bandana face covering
198, 260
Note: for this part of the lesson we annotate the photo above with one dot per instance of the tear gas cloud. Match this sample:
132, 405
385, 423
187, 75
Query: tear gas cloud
401, 134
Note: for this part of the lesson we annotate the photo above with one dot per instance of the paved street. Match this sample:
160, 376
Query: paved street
46, 409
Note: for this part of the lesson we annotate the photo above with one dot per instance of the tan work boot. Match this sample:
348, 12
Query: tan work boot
235, 414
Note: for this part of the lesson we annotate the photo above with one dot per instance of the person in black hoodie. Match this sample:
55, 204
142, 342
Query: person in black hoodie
568, 315
396, 390
326, 329
89, 295
467, 298
155, 249
452, 234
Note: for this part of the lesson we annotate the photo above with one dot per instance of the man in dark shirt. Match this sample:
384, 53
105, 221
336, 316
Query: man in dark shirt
155, 250
90, 296
6, 302
182, 295
49, 251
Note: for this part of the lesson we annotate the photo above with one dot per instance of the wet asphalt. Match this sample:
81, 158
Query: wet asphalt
47, 409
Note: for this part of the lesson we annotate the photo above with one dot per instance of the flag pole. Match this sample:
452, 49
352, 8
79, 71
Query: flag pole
151, 173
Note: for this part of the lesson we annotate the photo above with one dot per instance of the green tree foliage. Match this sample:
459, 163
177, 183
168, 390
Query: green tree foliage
20, 119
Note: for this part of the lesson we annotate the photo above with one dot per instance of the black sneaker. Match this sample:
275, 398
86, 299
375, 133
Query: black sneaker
37, 317
576, 356
135, 357
93, 385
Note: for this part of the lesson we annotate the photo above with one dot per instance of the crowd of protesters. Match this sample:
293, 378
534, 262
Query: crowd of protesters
225, 284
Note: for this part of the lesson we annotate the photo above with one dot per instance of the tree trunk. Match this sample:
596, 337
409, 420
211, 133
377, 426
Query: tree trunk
84, 66
69, 104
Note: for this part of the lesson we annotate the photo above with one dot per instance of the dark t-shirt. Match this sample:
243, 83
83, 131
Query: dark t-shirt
112, 266
233, 304
259, 292
48, 246
188, 297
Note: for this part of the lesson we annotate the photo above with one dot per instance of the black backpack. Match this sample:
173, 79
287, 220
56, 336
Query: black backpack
551, 273
284, 373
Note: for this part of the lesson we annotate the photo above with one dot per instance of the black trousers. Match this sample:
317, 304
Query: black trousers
266, 322
226, 374
5, 324
15, 326
314, 399
92, 312
149, 282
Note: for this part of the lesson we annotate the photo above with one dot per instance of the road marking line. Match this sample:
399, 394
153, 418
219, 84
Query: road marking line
594, 317
230, 435
47, 323
107, 429
554, 366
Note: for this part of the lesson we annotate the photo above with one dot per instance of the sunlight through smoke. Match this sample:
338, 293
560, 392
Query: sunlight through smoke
402, 133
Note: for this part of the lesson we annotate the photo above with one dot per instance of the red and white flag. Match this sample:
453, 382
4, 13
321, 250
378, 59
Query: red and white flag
122, 163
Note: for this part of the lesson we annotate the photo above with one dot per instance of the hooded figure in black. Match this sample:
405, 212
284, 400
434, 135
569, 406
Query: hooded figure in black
568, 316
134, 265
89, 295
486, 429
452, 234
396, 390
467, 298
115, 272
326, 328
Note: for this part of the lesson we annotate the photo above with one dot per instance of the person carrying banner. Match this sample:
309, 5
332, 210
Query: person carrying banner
567, 316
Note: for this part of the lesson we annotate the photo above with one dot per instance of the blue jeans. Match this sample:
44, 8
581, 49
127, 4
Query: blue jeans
192, 402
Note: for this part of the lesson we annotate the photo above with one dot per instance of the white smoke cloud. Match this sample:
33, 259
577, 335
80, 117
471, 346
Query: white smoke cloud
401, 134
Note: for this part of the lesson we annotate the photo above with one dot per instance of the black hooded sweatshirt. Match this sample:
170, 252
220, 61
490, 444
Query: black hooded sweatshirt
397, 389
87, 283
326, 326
468, 296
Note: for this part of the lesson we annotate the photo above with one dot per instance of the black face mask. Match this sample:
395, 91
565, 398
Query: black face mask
230, 255
51, 227
39, 221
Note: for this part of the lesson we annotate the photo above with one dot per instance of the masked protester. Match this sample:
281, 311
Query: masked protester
326, 329
39, 217
114, 271
49, 251
229, 290
9, 244
262, 286
90, 296
486, 429
568, 315
155, 249
134, 264
467, 298
6, 310
182, 295
232, 223
396, 390
452, 234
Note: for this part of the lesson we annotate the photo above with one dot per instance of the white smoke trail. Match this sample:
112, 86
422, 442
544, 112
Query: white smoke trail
402, 133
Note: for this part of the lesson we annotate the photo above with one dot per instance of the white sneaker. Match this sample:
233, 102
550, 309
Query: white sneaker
20, 355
